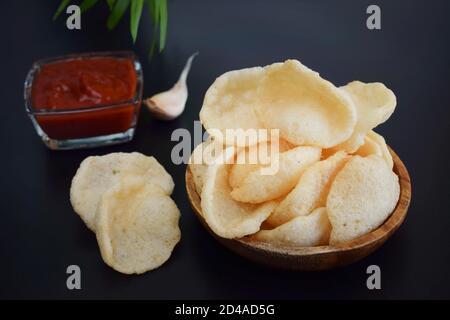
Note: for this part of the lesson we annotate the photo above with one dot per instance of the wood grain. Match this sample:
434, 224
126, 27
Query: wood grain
320, 257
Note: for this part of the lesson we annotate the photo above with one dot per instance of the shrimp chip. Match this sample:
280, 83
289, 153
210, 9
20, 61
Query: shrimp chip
374, 104
385, 153
226, 217
281, 176
363, 194
375, 144
307, 109
98, 173
136, 226
203, 155
303, 231
229, 104
311, 190
369, 147
253, 157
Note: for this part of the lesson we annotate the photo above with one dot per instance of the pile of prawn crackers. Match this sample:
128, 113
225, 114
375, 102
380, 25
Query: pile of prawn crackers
125, 199
333, 179
324, 178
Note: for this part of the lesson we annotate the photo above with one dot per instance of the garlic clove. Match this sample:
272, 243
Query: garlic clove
168, 105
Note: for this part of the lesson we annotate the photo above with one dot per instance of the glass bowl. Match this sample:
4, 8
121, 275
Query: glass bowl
87, 126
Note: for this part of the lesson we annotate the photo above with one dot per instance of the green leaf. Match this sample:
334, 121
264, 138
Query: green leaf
153, 6
110, 4
136, 12
62, 6
87, 4
162, 24
158, 13
117, 12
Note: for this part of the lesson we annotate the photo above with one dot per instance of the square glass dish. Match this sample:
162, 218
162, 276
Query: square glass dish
85, 100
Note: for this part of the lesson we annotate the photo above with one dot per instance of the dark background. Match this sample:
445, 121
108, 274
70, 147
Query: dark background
41, 235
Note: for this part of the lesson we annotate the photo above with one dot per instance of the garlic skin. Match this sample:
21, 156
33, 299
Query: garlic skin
168, 105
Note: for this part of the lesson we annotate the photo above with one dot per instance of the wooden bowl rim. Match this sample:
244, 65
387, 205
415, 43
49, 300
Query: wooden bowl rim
389, 226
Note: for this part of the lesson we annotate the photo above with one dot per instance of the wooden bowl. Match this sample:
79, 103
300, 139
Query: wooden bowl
320, 257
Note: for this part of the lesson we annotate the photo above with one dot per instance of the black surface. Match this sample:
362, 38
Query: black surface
41, 235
